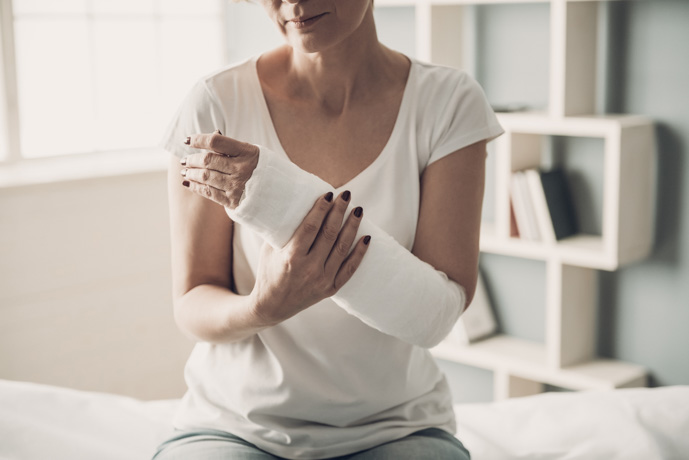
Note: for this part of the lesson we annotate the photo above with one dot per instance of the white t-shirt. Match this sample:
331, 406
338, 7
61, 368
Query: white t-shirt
323, 383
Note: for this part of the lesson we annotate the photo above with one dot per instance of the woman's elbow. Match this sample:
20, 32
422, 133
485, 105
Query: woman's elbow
453, 305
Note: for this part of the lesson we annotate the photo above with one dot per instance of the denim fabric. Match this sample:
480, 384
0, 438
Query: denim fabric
428, 444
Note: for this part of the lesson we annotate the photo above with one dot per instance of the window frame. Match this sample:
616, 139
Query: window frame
17, 170
9, 118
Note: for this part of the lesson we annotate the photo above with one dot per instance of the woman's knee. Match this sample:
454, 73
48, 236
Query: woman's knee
431, 444
209, 446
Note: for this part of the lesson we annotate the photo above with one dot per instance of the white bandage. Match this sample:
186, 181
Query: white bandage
392, 290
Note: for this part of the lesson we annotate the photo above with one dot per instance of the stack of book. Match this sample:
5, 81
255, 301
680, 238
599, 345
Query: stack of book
542, 208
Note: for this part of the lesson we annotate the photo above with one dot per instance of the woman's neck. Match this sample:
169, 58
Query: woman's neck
351, 70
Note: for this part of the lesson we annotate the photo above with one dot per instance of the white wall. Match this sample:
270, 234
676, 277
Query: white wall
85, 286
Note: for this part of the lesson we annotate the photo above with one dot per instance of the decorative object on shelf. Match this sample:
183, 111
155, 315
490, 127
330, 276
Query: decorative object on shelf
478, 322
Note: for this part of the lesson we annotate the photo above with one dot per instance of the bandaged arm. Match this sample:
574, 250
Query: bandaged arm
392, 290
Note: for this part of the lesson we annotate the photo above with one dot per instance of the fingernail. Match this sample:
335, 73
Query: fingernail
346, 195
183, 172
185, 183
183, 161
358, 211
218, 131
367, 239
187, 141
329, 197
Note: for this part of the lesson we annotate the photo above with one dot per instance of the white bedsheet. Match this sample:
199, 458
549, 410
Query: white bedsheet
45, 422
629, 424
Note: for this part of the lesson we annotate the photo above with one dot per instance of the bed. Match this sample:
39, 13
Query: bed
88, 355
39, 421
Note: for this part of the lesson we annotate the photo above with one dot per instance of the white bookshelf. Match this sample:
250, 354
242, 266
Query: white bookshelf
567, 356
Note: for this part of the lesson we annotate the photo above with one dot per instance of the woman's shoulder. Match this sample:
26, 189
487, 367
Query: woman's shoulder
231, 77
438, 82
451, 111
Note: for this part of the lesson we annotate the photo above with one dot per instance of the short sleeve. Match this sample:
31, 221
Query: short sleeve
467, 118
198, 113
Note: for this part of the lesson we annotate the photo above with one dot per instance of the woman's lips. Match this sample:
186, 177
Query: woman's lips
305, 21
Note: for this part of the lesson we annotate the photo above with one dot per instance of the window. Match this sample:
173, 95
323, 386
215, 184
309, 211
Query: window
87, 76
100, 75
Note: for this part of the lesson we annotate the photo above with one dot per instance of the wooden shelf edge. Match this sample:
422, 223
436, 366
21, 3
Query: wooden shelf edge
527, 360
581, 250
579, 125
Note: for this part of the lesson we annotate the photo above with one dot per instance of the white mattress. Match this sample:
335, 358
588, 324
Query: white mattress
45, 422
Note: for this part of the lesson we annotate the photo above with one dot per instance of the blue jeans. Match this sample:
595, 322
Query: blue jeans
428, 444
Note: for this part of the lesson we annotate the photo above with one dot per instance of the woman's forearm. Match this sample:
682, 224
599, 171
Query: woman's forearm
392, 290
215, 314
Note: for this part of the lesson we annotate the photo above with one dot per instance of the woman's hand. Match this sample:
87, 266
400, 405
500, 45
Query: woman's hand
221, 173
313, 265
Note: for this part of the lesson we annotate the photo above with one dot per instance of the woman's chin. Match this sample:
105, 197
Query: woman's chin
307, 46
310, 43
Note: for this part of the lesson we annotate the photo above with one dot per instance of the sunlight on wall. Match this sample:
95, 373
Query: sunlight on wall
101, 75
98, 75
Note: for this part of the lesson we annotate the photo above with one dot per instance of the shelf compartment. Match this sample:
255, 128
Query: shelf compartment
628, 179
527, 360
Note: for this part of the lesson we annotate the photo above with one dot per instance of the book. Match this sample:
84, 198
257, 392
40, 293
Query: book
514, 230
523, 208
477, 322
540, 205
560, 204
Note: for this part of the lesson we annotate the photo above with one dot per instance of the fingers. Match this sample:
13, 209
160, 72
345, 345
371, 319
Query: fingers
219, 149
207, 177
218, 143
306, 233
343, 245
352, 262
208, 160
219, 176
221, 187
222, 197
330, 229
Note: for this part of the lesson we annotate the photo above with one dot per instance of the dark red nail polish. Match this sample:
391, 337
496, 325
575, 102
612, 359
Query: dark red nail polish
358, 211
346, 195
185, 183
367, 239
329, 197
187, 141
183, 161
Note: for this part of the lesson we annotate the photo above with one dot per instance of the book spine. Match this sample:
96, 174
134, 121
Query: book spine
540, 205
514, 229
520, 212
528, 226
560, 203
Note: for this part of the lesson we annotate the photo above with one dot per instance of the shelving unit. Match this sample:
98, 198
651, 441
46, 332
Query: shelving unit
567, 357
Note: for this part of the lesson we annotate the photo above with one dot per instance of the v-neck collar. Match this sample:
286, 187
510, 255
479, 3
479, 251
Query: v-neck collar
402, 113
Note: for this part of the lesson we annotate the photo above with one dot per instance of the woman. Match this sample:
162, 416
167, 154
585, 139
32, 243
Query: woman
312, 334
